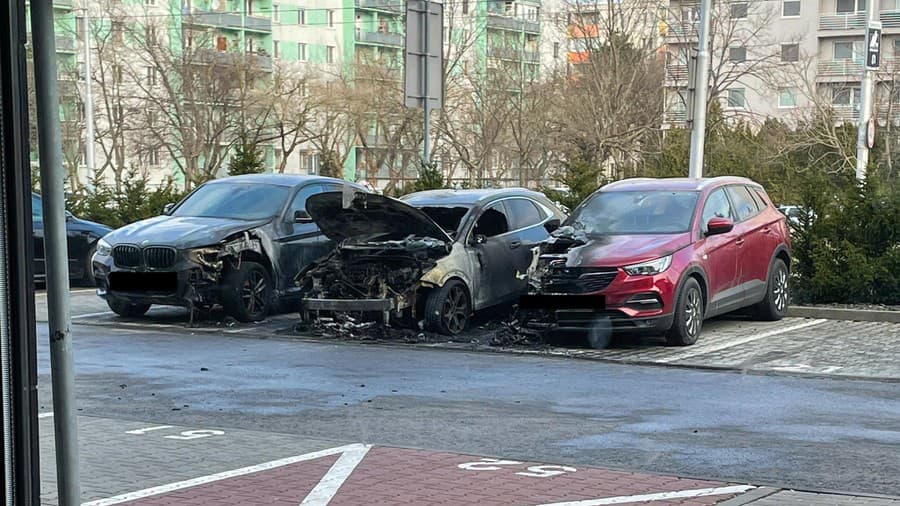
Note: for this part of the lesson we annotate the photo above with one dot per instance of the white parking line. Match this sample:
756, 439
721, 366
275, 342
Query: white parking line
662, 496
45, 415
328, 486
202, 480
86, 290
91, 315
702, 350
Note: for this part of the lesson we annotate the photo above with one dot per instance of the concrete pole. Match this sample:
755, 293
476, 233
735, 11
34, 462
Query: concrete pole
701, 92
867, 96
426, 118
88, 102
55, 253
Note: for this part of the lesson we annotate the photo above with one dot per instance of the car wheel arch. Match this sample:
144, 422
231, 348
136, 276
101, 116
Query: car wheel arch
262, 259
696, 271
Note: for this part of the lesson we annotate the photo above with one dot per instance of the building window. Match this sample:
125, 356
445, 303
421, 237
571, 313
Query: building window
153, 156
736, 98
465, 7
221, 44
330, 19
690, 14
737, 54
301, 16
739, 10
556, 49
790, 52
276, 50
845, 96
848, 50
329, 54
787, 97
150, 34
118, 32
301, 51
849, 6
151, 76
149, 2
790, 8
117, 74
276, 16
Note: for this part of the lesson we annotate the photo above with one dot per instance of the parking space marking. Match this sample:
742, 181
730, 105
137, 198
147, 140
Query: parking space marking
661, 496
91, 315
86, 290
691, 353
45, 415
202, 480
328, 486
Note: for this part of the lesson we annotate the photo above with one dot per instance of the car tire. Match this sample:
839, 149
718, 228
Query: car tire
448, 308
689, 311
87, 278
774, 306
122, 308
247, 292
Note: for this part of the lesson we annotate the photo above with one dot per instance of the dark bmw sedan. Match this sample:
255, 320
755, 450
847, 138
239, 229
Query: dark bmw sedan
82, 237
237, 241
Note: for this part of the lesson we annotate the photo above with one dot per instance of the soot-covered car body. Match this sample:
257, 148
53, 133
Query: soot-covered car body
433, 256
237, 241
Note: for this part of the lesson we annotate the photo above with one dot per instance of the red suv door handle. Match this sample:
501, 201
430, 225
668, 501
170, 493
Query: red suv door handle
739, 242
767, 230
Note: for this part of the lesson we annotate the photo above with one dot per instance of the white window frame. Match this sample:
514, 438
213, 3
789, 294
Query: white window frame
743, 95
784, 2
329, 54
781, 56
736, 4
330, 15
789, 91
301, 17
276, 53
276, 15
733, 61
302, 51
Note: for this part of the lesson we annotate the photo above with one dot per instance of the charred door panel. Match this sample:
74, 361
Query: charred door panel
302, 242
493, 248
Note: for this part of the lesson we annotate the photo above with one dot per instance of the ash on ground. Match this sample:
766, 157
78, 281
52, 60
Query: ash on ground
499, 328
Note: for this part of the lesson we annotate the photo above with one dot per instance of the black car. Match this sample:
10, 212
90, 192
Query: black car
82, 238
237, 241
433, 256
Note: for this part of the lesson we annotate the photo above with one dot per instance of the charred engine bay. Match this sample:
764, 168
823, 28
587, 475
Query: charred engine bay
369, 270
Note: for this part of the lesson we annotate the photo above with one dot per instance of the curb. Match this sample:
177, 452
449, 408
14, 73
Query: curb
860, 315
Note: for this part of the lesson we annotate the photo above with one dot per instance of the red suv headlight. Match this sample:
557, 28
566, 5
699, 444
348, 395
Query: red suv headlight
649, 268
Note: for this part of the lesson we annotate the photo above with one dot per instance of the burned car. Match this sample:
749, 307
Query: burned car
237, 241
433, 257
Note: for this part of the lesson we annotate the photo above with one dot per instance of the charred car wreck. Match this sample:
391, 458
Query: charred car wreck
237, 241
431, 258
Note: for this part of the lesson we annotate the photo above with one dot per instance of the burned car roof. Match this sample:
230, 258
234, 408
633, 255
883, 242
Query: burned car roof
464, 197
370, 217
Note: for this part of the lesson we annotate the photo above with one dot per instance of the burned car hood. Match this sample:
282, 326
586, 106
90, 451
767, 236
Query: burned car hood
370, 217
180, 231
620, 250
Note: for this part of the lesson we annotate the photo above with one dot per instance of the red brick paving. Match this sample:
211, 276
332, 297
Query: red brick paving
395, 476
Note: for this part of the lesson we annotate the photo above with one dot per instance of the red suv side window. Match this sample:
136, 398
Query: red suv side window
744, 204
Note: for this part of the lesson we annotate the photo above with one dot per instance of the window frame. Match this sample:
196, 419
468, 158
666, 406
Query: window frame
732, 197
703, 223
731, 51
793, 95
784, 4
789, 47
739, 5
511, 216
728, 98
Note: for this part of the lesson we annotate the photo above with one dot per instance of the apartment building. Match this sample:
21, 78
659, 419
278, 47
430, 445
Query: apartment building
786, 59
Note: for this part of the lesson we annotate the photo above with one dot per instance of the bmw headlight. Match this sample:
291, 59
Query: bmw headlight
649, 268
103, 248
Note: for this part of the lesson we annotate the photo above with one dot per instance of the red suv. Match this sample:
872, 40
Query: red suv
663, 255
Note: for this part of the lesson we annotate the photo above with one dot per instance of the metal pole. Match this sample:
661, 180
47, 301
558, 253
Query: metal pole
425, 105
55, 256
88, 101
701, 91
867, 92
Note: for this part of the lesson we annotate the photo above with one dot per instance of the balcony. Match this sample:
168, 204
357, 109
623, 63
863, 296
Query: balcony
380, 38
224, 58
65, 44
857, 20
844, 70
681, 31
258, 24
531, 56
216, 19
846, 112
676, 74
62, 4
499, 21
394, 6
676, 115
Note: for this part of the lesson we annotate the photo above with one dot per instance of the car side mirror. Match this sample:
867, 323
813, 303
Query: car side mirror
719, 226
478, 239
302, 217
168, 208
552, 225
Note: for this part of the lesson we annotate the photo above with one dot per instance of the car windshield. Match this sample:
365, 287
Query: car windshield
448, 218
636, 212
240, 201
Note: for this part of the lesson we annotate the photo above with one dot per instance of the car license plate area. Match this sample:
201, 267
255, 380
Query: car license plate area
563, 301
153, 282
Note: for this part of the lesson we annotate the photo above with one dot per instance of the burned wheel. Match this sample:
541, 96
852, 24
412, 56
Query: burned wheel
123, 308
247, 294
448, 308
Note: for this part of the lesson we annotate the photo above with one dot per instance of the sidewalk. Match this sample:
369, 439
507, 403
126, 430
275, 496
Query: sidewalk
139, 463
